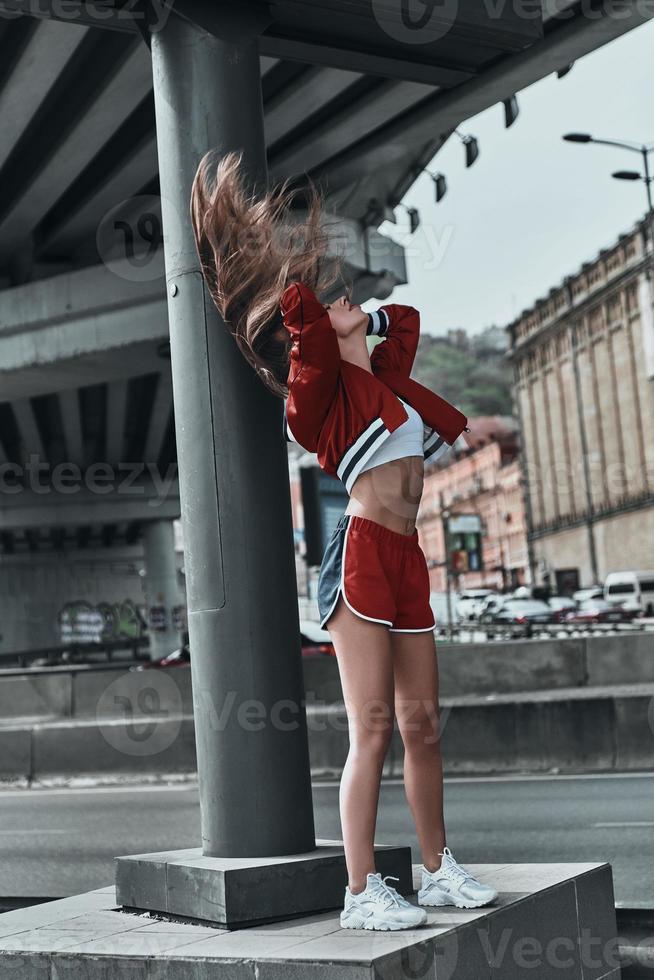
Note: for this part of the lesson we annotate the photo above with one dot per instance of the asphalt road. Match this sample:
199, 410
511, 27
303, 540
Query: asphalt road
56, 842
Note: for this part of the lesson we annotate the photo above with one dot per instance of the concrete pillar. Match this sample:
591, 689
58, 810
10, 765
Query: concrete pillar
161, 586
250, 724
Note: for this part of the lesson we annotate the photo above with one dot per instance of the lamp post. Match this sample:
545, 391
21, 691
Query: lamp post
644, 149
445, 520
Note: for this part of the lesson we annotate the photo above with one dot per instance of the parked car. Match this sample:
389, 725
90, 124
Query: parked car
470, 602
562, 605
599, 611
178, 658
631, 590
315, 641
594, 592
490, 605
519, 612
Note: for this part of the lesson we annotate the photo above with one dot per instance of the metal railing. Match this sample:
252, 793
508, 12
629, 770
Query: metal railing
77, 653
464, 632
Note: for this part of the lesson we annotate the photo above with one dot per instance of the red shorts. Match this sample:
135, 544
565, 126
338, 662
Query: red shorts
381, 574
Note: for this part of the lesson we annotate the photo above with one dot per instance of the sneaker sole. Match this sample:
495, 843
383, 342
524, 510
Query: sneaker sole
458, 903
358, 922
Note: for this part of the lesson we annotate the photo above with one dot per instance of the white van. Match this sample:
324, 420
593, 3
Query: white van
470, 602
633, 590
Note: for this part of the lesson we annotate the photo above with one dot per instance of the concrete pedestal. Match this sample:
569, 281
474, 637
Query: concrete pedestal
550, 922
235, 892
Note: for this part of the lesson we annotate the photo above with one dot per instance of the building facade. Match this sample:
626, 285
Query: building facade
584, 389
480, 489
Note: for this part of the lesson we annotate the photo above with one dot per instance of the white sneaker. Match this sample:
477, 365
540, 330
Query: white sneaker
380, 906
453, 885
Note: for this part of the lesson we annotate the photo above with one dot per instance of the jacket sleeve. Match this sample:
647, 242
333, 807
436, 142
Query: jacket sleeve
314, 368
400, 326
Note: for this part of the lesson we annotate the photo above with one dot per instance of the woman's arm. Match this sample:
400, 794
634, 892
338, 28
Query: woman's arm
400, 326
314, 364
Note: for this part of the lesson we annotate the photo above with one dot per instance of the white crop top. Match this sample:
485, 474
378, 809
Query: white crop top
406, 440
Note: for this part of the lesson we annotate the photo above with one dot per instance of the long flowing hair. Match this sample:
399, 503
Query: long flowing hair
250, 248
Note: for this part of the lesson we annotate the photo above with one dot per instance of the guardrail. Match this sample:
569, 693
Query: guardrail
72, 653
94, 652
461, 632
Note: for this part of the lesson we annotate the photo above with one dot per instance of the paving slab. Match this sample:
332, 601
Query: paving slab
551, 922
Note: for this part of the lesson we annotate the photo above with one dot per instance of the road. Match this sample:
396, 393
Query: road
56, 842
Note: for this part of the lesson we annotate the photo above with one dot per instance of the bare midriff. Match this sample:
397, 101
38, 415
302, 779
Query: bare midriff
389, 493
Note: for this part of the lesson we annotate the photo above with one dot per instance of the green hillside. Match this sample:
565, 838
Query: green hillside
471, 372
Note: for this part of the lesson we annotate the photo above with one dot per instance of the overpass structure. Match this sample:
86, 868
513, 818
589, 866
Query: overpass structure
105, 109
361, 106
84, 370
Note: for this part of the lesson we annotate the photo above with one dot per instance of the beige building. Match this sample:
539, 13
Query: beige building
584, 390
481, 486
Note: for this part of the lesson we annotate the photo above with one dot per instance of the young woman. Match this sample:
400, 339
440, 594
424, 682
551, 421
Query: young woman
372, 426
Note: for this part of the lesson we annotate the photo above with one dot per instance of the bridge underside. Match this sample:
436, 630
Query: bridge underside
349, 100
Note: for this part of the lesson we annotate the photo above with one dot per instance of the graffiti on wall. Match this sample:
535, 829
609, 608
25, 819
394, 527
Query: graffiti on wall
85, 622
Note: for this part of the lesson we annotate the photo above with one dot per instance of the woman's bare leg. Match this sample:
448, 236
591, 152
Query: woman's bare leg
416, 708
363, 651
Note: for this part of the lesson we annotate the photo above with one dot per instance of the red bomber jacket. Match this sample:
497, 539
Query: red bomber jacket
342, 412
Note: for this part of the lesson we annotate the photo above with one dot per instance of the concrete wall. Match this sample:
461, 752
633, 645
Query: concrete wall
577, 704
513, 667
466, 670
35, 589
605, 731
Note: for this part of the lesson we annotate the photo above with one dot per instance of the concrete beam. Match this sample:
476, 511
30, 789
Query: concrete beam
39, 66
89, 367
83, 217
331, 56
85, 293
72, 423
91, 325
368, 257
566, 41
347, 129
30, 436
116, 412
318, 86
113, 105
48, 508
161, 412
100, 324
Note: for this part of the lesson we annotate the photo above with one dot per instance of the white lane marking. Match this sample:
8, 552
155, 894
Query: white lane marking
188, 787
81, 790
511, 778
21, 833
625, 823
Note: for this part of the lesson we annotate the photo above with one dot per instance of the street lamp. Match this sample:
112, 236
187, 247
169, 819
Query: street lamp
440, 185
471, 146
643, 148
414, 217
511, 110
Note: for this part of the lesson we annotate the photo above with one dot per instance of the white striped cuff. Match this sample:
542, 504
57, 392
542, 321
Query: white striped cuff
377, 323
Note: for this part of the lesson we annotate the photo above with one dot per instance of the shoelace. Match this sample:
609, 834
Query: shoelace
388, 890
454, 869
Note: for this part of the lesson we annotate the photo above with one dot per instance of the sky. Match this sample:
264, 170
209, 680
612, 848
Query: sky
532, 208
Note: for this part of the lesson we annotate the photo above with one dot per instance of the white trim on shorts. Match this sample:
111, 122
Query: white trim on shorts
341, 589
423, 629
